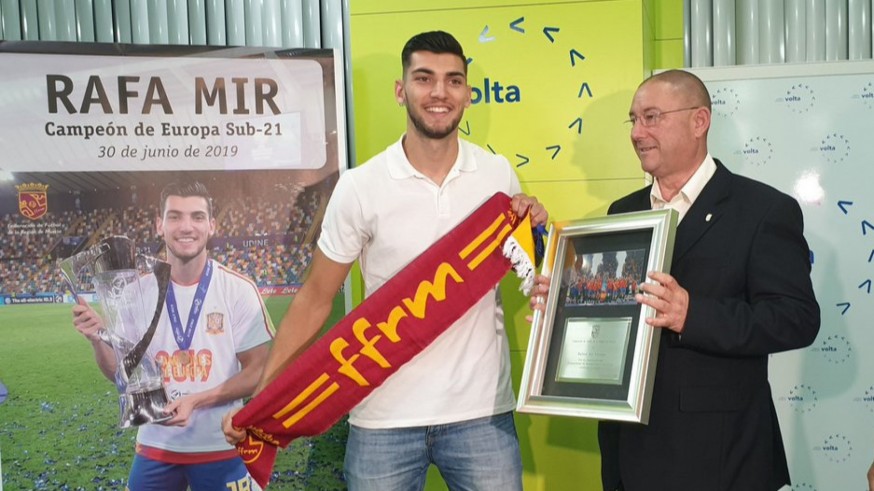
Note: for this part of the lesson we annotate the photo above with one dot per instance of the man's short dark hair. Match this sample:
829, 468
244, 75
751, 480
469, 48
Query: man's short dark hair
185, 189
438, 42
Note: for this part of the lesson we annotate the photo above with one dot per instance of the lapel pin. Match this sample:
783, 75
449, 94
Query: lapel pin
708, 217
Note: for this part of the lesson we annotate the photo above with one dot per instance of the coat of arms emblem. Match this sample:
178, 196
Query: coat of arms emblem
215, 323
33, 200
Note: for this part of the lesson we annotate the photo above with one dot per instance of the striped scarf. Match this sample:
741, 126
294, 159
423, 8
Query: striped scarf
385, 331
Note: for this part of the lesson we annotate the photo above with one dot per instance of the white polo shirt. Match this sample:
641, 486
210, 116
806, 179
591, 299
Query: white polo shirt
386, 213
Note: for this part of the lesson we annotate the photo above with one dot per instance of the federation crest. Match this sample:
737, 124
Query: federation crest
250, 449
33, 200
215, 323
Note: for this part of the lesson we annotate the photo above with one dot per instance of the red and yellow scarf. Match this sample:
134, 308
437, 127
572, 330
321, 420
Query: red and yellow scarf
388, 329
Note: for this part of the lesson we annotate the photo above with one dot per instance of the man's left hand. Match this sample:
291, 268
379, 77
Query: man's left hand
668, 298
181, 410
522, 203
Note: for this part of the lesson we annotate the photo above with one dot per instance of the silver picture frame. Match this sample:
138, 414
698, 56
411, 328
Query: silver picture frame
590, 353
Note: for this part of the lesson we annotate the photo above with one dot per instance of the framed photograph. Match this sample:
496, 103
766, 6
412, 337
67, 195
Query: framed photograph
590, 353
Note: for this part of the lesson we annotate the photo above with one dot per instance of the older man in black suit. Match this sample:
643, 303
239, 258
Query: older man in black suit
739, 290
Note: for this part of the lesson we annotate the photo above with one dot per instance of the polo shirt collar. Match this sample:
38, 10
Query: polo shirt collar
399, 167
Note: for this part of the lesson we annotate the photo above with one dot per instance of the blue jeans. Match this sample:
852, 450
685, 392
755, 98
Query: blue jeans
476, 455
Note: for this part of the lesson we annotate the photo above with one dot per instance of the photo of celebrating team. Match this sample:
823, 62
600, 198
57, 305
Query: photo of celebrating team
604, 278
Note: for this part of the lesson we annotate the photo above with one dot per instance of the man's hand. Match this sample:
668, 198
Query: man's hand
668, 298
539, 292
538, 295
87, 322
522, 203
233, 435
181, 409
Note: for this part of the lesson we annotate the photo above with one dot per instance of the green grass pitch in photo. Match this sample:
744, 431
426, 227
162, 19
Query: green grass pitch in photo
58, 426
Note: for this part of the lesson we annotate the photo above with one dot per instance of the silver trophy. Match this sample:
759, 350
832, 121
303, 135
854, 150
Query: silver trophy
128, 325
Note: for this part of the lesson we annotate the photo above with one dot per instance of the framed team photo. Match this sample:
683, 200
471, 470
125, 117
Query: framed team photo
590, 353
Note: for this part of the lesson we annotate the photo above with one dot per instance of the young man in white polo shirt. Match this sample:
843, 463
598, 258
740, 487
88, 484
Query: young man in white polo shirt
451, 405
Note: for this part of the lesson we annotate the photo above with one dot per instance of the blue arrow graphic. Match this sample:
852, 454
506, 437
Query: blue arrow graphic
466, 125
557, 149
484, 36
846, 306
579, 123
871, 256
574, 55
865, 226
515, 25
524, 161
843, 205
548, 31
867, 284
585, 88
491, 149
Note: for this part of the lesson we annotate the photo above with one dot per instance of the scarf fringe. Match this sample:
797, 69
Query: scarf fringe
521, 263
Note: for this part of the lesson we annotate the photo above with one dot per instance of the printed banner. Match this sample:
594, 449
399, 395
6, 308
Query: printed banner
90, 137
92, 113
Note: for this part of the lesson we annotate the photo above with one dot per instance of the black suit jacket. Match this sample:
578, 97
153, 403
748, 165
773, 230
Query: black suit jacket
741, 255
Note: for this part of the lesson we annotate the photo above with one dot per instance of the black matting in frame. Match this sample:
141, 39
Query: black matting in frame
634, 243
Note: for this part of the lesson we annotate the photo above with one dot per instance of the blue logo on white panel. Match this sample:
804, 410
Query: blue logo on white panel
757, 151
835, 148
724, 101
801, 398
867, 399
836, 448
867, 95
835, 349
799, 98
802, 487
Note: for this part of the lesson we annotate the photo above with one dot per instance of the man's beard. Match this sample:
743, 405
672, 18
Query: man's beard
185, 258
434, 134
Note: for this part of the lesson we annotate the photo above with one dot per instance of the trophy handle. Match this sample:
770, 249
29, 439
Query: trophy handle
72, 266
135, 355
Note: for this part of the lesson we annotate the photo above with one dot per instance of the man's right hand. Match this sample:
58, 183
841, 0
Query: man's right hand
233, 435
539, 292
87, 322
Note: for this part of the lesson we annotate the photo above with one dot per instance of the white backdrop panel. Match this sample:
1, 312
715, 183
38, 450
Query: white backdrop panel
808, 130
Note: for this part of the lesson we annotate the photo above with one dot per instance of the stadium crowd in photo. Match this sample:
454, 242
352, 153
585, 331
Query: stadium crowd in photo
266, 226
